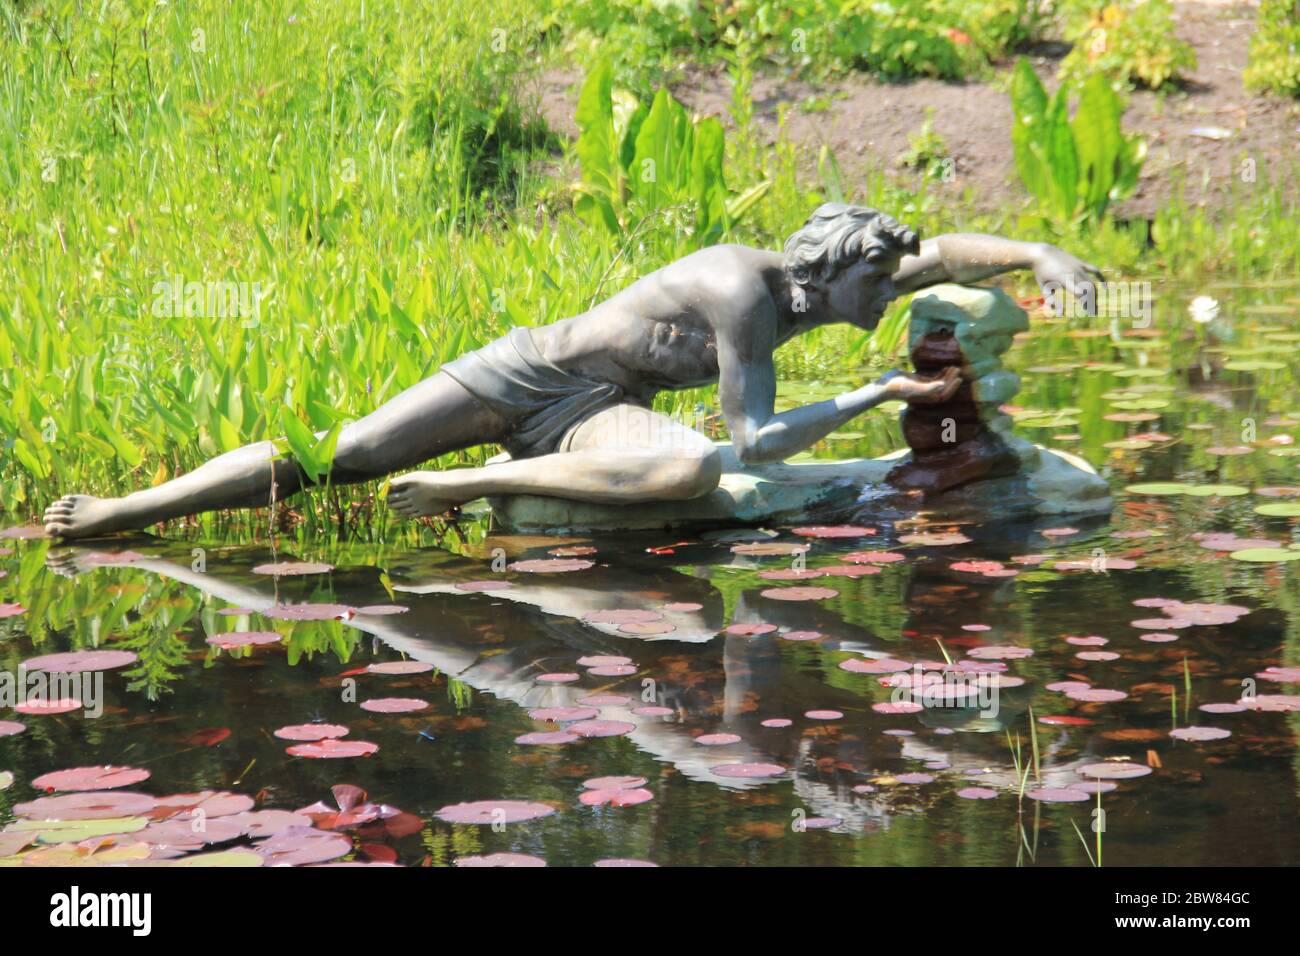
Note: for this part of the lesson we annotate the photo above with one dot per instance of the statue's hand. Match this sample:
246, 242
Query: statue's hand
923, 391
1055, 269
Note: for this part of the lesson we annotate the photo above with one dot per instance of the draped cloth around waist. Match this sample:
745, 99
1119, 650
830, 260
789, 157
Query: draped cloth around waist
541, 401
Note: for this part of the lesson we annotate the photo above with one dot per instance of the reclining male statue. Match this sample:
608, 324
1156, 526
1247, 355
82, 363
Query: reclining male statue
571, 402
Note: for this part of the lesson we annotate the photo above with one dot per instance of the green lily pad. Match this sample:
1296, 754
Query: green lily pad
1222, 491
74, 831
1143, 372
1141, 404
1266, 555
6, 779
1279, 509
1159, 488
1255, 365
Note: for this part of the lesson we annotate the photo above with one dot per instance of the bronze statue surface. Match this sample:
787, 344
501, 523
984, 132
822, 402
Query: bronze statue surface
571, 401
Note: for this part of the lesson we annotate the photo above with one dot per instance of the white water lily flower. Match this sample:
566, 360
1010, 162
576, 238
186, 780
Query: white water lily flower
1204, 309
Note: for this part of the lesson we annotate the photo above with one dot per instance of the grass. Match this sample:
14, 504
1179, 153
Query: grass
348, 195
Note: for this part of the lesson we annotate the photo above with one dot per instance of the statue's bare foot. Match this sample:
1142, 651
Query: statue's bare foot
84, 516
420, 493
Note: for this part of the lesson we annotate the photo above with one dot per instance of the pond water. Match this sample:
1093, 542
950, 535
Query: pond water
723, 670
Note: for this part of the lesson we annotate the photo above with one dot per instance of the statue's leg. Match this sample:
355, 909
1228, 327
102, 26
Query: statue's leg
621, 455
428, 419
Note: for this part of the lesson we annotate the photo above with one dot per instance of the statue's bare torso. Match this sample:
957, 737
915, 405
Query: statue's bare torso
662, 332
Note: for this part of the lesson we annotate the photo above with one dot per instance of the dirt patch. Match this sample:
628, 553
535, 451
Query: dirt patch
866, 122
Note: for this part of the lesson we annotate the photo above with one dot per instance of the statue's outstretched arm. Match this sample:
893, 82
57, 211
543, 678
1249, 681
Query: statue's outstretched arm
747, 392
970, 257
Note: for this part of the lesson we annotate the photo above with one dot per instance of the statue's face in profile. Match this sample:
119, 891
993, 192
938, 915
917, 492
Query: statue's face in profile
860, 293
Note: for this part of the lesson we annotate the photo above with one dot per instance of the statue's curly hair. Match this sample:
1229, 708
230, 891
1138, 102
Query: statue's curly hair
836, 235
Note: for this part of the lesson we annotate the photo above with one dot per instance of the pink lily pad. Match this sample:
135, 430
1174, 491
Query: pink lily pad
1096, 695
850, 570
213, 803
10, 727
383, 610
653, 711
309, 612
475, 586
976, 793
647, 627
311, 732
914, 779
622, 616
601, 728
823, 715
11, 610
393, 705
833, 531
1057, 795
1000, 652
330, 749
799, 594
747, 770
1093, 641
801, 636
1157, 637
1283, 675
35, 707
1094, 787
23, 532
874, 557
602, 660
287, 568
299, 846
819, 823
1199, 734
621, 863
90, 778
1280, 703
1065, 686
791, 574
546, 738
777, 722
717, 740
612, 670
487, 812
232, 639
770, 548
500, 859
566, 677
562, 714
935, 539
78, 661
396, 668
551, 565
1097, 656
614, 783
1114, 770
897, 707
92, 805
683, 607
1225, 707
878, 665
615, 797
749, 630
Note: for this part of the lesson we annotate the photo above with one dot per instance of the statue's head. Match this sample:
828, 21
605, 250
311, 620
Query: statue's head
844, 256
